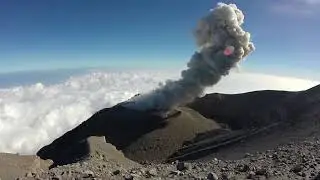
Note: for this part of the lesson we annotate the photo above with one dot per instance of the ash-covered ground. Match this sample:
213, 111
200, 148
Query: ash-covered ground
296, 160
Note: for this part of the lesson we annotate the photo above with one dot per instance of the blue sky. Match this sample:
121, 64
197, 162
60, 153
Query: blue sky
46, 34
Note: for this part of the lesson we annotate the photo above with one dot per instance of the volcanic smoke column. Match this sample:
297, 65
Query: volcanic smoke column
222, 44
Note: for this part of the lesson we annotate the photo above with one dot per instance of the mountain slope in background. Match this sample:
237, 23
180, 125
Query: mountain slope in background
259, 121
239, 110
257, 108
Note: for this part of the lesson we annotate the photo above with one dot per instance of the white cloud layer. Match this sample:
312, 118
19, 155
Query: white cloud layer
33, 116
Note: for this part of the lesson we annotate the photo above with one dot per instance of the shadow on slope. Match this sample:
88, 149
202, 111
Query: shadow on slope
141, 136
120, 125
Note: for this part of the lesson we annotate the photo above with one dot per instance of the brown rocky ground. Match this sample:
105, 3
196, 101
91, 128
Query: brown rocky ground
14, 165
257, 135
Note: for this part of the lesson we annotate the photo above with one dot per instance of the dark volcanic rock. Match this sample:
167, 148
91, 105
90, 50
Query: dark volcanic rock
181, 166
239, 110
212, 176
259, 108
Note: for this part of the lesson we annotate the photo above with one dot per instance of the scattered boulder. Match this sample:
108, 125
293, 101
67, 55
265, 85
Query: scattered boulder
297, 168
212, 176
116, 172
181, 166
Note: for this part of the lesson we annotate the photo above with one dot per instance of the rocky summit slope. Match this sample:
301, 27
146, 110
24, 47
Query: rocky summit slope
140, 136
256, 135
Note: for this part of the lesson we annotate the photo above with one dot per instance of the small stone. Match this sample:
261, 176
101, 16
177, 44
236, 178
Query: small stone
225, 176
101, 156
262, 172
152, 172
243, 168
128, 177
251, 175
116, 172
29, 174
134, 171
174, 172
181, 166
175, 162
83, 164
179, 173
136, 176
212, 176
297, 168
223, 169
69, 173
304, 160
57, 178
253, 160
88, 173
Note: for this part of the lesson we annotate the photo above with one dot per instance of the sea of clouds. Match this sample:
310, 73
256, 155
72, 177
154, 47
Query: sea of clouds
32, 116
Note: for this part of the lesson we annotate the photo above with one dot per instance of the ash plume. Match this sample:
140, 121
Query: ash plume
222, 44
